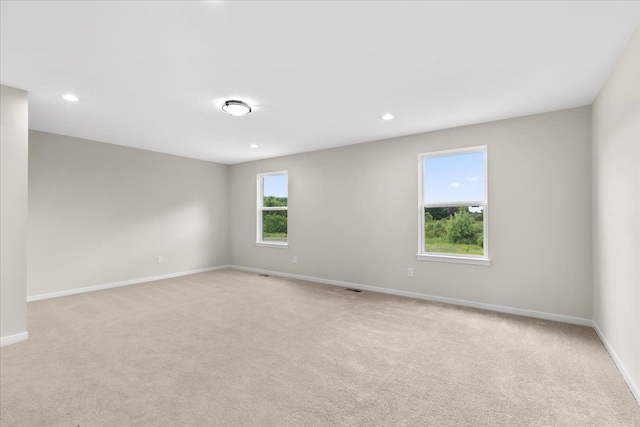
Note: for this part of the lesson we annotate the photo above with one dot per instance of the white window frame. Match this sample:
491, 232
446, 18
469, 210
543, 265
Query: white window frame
261, 208
446, 257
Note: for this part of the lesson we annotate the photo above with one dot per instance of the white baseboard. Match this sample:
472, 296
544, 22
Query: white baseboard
632, 385
480, 305
12, 339
499, 308
123, 283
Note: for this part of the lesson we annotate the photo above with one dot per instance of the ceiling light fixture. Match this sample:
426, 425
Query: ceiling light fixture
387, 117
70, 97
253, 146
236, 108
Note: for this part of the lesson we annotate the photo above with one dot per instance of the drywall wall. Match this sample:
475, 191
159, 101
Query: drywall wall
13, 213
353, 215
102, 213
616, 211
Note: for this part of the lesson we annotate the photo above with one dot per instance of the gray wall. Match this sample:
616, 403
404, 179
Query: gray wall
13, 210
616, 208
353, 215
102, 213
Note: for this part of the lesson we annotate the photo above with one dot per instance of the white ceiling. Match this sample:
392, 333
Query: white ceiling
321, 74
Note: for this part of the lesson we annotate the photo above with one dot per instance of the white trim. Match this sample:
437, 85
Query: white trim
12, 339
123, 283
623, 371
473, 304
454, 204
454, 151
453, 258
283, 172
261, 208
279, 245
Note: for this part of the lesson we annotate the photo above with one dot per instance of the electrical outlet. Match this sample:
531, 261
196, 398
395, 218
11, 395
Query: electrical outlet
160, 260
409, 272
295, 259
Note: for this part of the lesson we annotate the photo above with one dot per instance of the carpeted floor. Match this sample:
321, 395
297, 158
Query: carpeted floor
229, 348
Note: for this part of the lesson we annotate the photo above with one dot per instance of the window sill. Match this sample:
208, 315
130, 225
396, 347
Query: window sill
279, 245
453, 259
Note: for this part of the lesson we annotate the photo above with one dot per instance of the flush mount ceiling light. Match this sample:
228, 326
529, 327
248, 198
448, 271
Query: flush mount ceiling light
387, 117
70, 97
253, 146
236, 108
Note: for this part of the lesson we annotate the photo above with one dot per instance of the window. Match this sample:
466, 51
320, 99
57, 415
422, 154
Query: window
453, 207
273, 201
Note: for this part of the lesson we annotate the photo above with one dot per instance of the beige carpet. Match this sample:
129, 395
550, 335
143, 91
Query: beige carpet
229, 348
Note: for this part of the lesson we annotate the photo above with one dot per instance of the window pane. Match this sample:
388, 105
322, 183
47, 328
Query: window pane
274, 226
454, 230
455, 178
275, 190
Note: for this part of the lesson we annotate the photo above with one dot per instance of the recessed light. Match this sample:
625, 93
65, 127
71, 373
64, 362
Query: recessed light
253, 146
236, 108
387, 117
70, 97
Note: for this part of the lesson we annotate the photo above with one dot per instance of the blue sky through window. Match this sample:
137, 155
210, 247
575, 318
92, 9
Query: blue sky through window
275, 185
454, 178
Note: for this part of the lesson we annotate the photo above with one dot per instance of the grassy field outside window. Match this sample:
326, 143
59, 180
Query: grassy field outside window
454, 230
